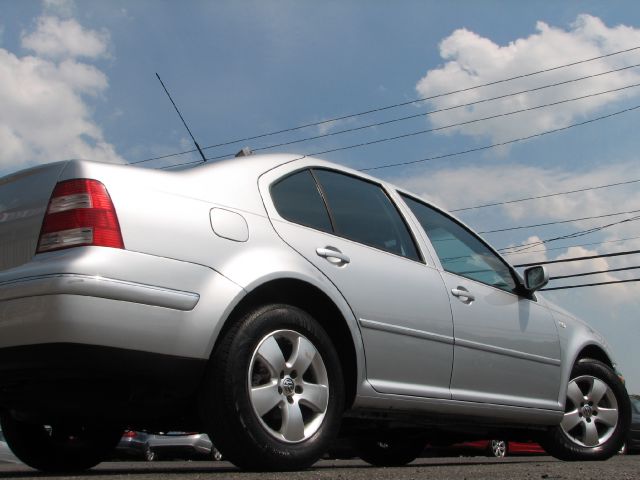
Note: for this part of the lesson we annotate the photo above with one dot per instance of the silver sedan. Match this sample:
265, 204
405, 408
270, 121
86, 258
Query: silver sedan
272, 302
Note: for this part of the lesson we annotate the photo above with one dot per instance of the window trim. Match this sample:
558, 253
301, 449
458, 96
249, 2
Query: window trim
514, 275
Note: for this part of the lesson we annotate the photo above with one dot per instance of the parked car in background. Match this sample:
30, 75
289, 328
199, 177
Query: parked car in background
632, 444
265, 299
167, 446
181, 445
135, 445
491, 448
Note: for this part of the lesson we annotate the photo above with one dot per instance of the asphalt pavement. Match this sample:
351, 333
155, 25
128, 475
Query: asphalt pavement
622, 467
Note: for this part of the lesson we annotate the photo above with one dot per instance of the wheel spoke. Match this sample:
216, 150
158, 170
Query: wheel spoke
608, 416
570, 420
591, 437
271, 354
575, 394
598, 390
315, 397
265, 397
302, 355
292, 423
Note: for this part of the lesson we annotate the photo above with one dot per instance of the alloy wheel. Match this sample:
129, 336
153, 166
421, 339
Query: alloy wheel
591, 413
288, 386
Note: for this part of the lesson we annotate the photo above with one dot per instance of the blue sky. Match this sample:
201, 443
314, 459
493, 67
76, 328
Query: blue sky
77, 79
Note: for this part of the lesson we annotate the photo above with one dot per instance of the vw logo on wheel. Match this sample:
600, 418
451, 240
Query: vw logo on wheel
288, 386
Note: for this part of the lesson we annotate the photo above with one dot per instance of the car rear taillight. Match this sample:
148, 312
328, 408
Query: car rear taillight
80, 213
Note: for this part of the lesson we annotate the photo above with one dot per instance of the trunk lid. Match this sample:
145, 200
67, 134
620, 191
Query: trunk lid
24, 197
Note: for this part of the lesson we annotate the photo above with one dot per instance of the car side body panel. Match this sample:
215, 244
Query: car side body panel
413, 325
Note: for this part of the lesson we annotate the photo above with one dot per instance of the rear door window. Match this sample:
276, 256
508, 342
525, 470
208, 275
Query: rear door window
362, 211
298, 200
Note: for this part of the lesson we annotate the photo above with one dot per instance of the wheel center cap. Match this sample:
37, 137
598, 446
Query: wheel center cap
288, 386
587, 411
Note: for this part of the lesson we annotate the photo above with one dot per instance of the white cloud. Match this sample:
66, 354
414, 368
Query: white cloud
474, 60
57, 38
45, 115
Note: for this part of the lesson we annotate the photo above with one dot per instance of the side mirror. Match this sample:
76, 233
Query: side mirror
535, 278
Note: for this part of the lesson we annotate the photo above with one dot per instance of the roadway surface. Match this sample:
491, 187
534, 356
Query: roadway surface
622, 467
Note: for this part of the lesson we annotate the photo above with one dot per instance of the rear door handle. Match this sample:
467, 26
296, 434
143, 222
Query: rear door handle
463, 294
333, 255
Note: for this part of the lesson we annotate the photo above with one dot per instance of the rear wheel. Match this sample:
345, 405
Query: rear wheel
596, 418
274, 394
498, 448
389, 451
59, 448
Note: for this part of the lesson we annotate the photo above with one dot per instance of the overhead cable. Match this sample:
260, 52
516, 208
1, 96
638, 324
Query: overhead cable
463, 152
558, 222
506, 202
459, 124
599, 272
424, 114
590, 284
500, 144
571, 246
396, 105
579, 233
579, 259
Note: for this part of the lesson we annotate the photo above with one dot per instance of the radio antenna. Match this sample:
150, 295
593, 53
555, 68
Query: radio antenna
204, 159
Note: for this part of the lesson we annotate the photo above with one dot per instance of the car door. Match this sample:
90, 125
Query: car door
353, 233
507, 349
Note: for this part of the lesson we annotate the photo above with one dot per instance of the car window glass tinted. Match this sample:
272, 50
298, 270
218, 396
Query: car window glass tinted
363, 212
460, 251
297, 199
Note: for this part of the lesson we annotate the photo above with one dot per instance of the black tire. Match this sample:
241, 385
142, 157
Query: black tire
272, 440
571, 439
59, 449
389, 451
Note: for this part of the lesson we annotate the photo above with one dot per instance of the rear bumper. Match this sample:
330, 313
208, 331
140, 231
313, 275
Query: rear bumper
101, 332
115, 298
98, 287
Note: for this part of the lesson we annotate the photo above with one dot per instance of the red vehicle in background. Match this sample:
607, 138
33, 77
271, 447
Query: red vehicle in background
493, 448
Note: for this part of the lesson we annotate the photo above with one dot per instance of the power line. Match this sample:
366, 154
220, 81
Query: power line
459, 124
424, 114
585, 189
500, 144
396, 105
579, 233
599, 272
464, 152
590, 284
579, 259
558, 222
570, 246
